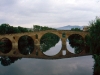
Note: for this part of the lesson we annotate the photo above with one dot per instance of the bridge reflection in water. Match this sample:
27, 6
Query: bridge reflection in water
35, 44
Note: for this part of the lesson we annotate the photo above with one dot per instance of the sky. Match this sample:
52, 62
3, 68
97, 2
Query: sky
51, 13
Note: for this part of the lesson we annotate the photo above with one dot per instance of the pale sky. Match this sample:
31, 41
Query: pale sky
52, 13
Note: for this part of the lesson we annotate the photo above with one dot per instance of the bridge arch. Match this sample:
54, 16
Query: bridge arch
47, 43
76, 43
15, 37
25, 45
5, 45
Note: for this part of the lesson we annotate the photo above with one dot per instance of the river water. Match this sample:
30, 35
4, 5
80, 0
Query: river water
68, 66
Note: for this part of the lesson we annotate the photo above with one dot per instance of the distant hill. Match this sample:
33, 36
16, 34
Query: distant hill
68, 27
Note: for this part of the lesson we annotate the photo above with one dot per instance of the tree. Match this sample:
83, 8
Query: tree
25, 45
94, 36
7, 29
47, 41
6, 61
41, 28
76, 41
4, 28
93, 42
75, 29
21, 29
36, 28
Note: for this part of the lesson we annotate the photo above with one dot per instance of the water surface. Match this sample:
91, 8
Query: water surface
68, 66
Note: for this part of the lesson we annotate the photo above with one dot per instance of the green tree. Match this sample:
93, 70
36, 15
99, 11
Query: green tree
36, 28
21, 29
41, 28
6, 61
76, 41
94, 36
48, 40
76, 29
93, 43
4, 28
7, 29
5, 45
96, 64
12, 30
25, 45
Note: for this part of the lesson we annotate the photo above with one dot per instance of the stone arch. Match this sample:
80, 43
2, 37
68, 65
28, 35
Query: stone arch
25, 45
52, 39
5, 45
76, 41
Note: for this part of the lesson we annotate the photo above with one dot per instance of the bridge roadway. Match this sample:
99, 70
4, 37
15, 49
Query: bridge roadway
63, 34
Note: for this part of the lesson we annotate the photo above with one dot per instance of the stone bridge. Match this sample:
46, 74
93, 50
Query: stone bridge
36, 36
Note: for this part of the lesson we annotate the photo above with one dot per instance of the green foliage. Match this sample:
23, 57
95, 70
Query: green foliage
4, 28
97, 59
48, 40
63, 35
94, 36
76, 29
93, 43
36, 28
5, 45
26, 45
5, 61
76, 42
21, 29
41, 28
96, 64
7, 29
88, 44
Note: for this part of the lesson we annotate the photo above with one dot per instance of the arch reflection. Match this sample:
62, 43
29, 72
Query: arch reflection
76, 43
25, 45
48, 42
5, 45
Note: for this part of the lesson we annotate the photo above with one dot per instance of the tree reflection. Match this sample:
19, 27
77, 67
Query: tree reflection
78, 44
25, 45
48, 40
96, 64
6, 61
76, 41
95, 54
5, 45
94, 43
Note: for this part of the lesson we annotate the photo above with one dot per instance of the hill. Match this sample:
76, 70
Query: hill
68, 27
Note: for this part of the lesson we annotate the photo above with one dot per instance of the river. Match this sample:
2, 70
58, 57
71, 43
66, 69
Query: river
68, 66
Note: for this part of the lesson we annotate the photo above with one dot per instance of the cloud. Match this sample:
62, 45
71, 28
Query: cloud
53, 13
